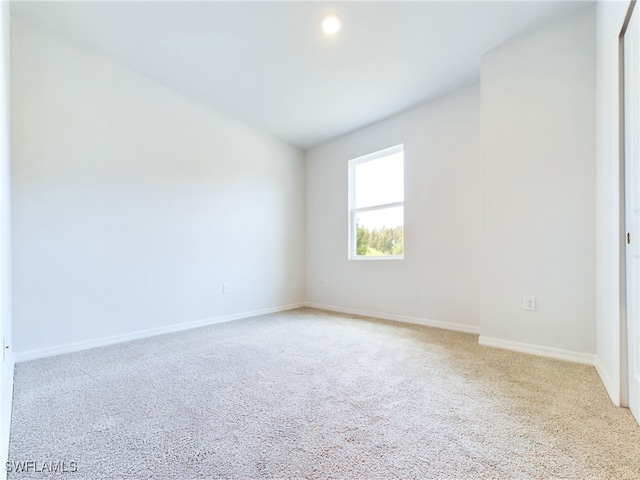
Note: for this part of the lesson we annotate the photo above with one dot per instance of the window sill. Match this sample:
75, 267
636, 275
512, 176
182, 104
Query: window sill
377, 257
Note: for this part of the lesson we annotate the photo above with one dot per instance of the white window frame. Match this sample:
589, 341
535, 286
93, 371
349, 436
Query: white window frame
353, 212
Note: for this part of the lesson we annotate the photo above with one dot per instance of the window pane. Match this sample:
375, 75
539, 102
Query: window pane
380, 232
379, 181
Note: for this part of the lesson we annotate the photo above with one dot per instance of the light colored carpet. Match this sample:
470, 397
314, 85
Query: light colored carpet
318, 395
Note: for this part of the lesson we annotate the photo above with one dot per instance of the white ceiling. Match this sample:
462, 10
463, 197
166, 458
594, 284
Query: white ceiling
270, 65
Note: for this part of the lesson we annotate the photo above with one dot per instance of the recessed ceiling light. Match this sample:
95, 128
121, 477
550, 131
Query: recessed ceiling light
331, 24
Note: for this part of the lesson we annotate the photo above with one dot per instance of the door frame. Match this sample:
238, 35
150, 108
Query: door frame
624, 337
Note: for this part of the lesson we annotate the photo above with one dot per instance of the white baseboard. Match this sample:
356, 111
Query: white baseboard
541, 351
459, 327
5, 413
612, 389
125, 337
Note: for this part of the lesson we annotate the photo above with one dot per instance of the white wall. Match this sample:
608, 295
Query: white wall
439, 278
610, 18
538, 156
6, 374
133, 204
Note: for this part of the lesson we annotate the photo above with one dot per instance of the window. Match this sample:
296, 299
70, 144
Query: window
376, 205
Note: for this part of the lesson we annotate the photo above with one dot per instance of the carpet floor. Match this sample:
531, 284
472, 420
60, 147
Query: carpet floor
311, 394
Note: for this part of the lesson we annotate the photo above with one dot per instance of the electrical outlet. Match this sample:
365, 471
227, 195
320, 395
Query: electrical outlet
226, 288
529, 303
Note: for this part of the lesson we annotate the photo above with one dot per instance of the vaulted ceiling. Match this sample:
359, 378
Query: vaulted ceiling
269, 64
